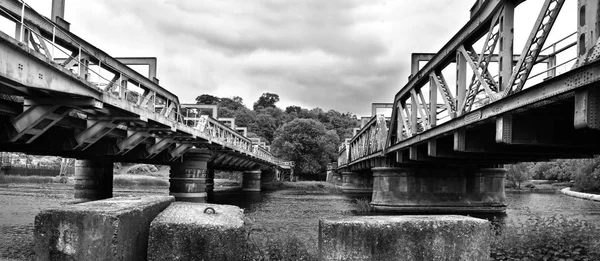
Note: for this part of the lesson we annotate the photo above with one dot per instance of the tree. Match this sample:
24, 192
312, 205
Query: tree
308, 143
266, 100
207, 99
587, 177
232, 104
518, 173
293, 109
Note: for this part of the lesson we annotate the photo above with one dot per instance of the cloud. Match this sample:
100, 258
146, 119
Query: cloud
334, 54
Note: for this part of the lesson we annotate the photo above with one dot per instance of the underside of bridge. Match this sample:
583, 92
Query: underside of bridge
69, 107
443, 149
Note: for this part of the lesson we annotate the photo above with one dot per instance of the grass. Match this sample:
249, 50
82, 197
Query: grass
4, 179
547, 238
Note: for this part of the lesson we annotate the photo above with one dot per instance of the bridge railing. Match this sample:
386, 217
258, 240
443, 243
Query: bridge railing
216, 131
428, 100
111, 77
370, 139
86, 61
343, 155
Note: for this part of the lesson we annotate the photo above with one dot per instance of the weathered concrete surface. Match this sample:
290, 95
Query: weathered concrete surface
184, 231
429, 238
581, 195
110, 229
434, 189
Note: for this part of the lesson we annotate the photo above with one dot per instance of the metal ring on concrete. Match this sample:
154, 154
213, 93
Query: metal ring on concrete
210, 210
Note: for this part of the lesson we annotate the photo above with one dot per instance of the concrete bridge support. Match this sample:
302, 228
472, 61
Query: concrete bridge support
357, 182
188, 176
439, 189
336, 178
93, 179
210, 180
251, 180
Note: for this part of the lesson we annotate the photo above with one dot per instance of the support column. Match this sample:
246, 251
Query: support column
439, 189
93, 179
357, 182
337, 178
188, 176
251, 180
487, 186
210, 180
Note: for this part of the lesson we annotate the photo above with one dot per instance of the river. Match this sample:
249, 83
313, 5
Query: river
297, 213
273, 215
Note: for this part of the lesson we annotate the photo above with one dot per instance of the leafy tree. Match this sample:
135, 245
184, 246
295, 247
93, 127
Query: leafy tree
268, 120
293, 109
518, 173
587, 177
308, 143
266, 100
238, 99
233, 104
207, 99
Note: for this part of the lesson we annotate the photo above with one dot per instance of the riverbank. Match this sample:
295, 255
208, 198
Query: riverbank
581, 195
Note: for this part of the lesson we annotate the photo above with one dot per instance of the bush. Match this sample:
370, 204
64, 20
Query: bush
552, 238
363, 205
142, 168
587, 177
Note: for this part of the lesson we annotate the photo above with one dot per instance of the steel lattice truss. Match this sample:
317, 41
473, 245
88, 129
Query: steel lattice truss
428, 100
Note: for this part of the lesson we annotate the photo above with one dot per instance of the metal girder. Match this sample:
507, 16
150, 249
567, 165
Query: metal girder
587, 108
487, 53
36, 120
218, 159
442, 86
134, 138
94, 132
554, 87
82, 103
23, 65
158, 147
71, 41
483, 77
179, 150
535, 42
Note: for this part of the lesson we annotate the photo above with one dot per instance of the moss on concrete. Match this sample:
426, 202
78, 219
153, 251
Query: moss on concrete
185, 232
110, 229
404, 238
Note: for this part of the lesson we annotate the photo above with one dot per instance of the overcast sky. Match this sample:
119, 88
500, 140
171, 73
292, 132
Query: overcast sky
332, 54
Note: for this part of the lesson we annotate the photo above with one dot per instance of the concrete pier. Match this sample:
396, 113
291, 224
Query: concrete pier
406, 238
337, 178
195, 231
251, 180
210, 180
188, 176
357, 182
110, 229
93, 179
438, 190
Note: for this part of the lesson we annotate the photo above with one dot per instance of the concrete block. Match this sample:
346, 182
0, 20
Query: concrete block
404, 238
191, 231
110, 229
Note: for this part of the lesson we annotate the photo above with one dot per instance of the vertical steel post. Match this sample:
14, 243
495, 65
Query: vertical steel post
22, 30
461, 81
506, 44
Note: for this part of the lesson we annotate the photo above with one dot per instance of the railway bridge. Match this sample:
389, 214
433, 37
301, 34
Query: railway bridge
62, 96
444, 146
